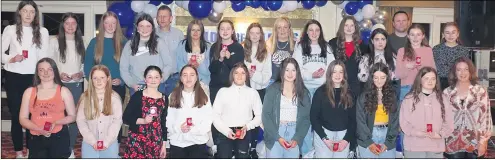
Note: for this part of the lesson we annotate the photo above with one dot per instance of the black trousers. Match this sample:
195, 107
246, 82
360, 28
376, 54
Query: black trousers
15, 85
55, 146
462, 155
121, 91
240, 147
198, 151
213, 93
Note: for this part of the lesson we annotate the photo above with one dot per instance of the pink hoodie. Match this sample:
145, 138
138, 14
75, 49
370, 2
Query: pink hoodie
407, 75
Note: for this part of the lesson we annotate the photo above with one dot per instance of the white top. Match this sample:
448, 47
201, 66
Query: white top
310, 64
263, 73
364, 66
234, 107
288, 110
72, 63
202, 119
9, 41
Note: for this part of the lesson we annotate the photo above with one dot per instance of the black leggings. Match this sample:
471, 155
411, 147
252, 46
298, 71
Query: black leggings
15, 85
462, 155
55, 146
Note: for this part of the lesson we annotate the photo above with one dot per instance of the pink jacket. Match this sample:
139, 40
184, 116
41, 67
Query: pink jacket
407, 75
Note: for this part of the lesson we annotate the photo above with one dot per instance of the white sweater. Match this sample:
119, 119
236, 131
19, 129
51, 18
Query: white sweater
261, 76
9, 41
310, 64
234, 107
202, 119
72, 63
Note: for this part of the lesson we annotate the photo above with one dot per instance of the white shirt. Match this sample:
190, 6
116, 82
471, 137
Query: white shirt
9, 41
288, 109
312, 63
72, 63
202, 119
263, 72
234, 107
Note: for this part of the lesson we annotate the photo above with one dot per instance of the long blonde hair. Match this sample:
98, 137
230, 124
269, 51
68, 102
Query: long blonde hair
118, 37
272, 41
91, 107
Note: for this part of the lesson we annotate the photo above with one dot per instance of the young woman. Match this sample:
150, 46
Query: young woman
226, 52
380, 53
469, 101
233, 114
414, 56
194, 50
143, 50
99, 116
146, 116
106, 49
333, 115
189, 117
448, 51
67, 50
280, 45
378, 115
426, 117
286, 112
46, 110
27, 42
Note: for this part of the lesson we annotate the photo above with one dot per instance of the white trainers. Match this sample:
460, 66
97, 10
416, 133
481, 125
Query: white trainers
20, 156
72, 156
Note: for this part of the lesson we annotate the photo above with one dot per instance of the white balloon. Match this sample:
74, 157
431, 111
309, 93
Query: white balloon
151, 10
299, 5
185, 5
178, 3
359, 15
368, 11
290, 5
342, 5
379, 25
283, 9
138, 6
219, 7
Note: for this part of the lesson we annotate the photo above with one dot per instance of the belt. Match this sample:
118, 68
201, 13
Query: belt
381, 125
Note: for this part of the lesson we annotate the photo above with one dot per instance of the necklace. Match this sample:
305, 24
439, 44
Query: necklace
284, 46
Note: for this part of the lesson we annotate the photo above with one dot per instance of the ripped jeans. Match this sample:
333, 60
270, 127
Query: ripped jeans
225, 146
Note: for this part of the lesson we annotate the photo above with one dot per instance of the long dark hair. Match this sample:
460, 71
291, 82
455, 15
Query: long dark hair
306, 42
56, 73
35, 24
152, 42
409, 53
345, 94
388, 52
356, 37
389, 95
62, 44
218, 43
299, 88
202, 42
244, 67
473, 75
417, 89
261, 52
200, 98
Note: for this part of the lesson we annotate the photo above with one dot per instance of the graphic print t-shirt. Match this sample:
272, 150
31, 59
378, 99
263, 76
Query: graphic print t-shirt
282, 51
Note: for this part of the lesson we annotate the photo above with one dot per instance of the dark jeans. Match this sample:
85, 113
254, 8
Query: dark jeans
461, 155
15, 85
198, 151
171, 83
121, 91
76, 89
55, 146
262, 94
240, 147
214, 131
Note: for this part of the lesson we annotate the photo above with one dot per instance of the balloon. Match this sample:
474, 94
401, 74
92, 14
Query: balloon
264, 5
363, 3
185, 5
138, 6
368, 11
337, 2
365, 36
365, 24
129, 31
358, 16
351, 8
219, 7
283, 9
252, 3
167, 2
344, 14
290, 5
321, 3
123, 12
378, 26
274, 5
308, 4
299, 5
155, 2
343, 4
200, 9
151, 10
239, 6
380, 16
215, 17
128, 1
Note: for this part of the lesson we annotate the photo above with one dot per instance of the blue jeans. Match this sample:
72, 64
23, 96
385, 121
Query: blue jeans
400, 138
161, 88
171, 83
403, 91
379, 137
87, 151
76, 90
307, 145
286, 131
322, 151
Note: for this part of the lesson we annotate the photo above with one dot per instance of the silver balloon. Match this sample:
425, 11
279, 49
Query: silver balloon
215, 17
337, 2
344, 14
365, 24
380, 17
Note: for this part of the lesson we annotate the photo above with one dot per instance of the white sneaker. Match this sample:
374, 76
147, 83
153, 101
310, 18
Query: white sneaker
20, 156
72, 156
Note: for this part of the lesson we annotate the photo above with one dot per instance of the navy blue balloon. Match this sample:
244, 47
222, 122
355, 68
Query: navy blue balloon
308, 4
129, 32
167, 2
200, 9
352, 8
155, 2
128, 1
239, 6
264, 5
365, 36
123, 12
274, 5
255, 3
321, 3
363, 3
298, 1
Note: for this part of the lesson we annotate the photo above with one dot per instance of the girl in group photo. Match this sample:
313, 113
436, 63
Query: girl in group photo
146, 116
377, 115
286, 110
333, 115
280, 45
426, 117
99, 116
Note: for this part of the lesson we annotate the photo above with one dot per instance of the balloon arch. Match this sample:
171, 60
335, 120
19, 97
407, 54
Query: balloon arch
363, 11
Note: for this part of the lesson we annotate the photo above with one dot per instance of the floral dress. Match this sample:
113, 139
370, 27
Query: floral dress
147, 142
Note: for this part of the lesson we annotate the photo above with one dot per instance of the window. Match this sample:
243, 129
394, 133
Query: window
442, 26
97, 22
51, 21
7, 19
426, 26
